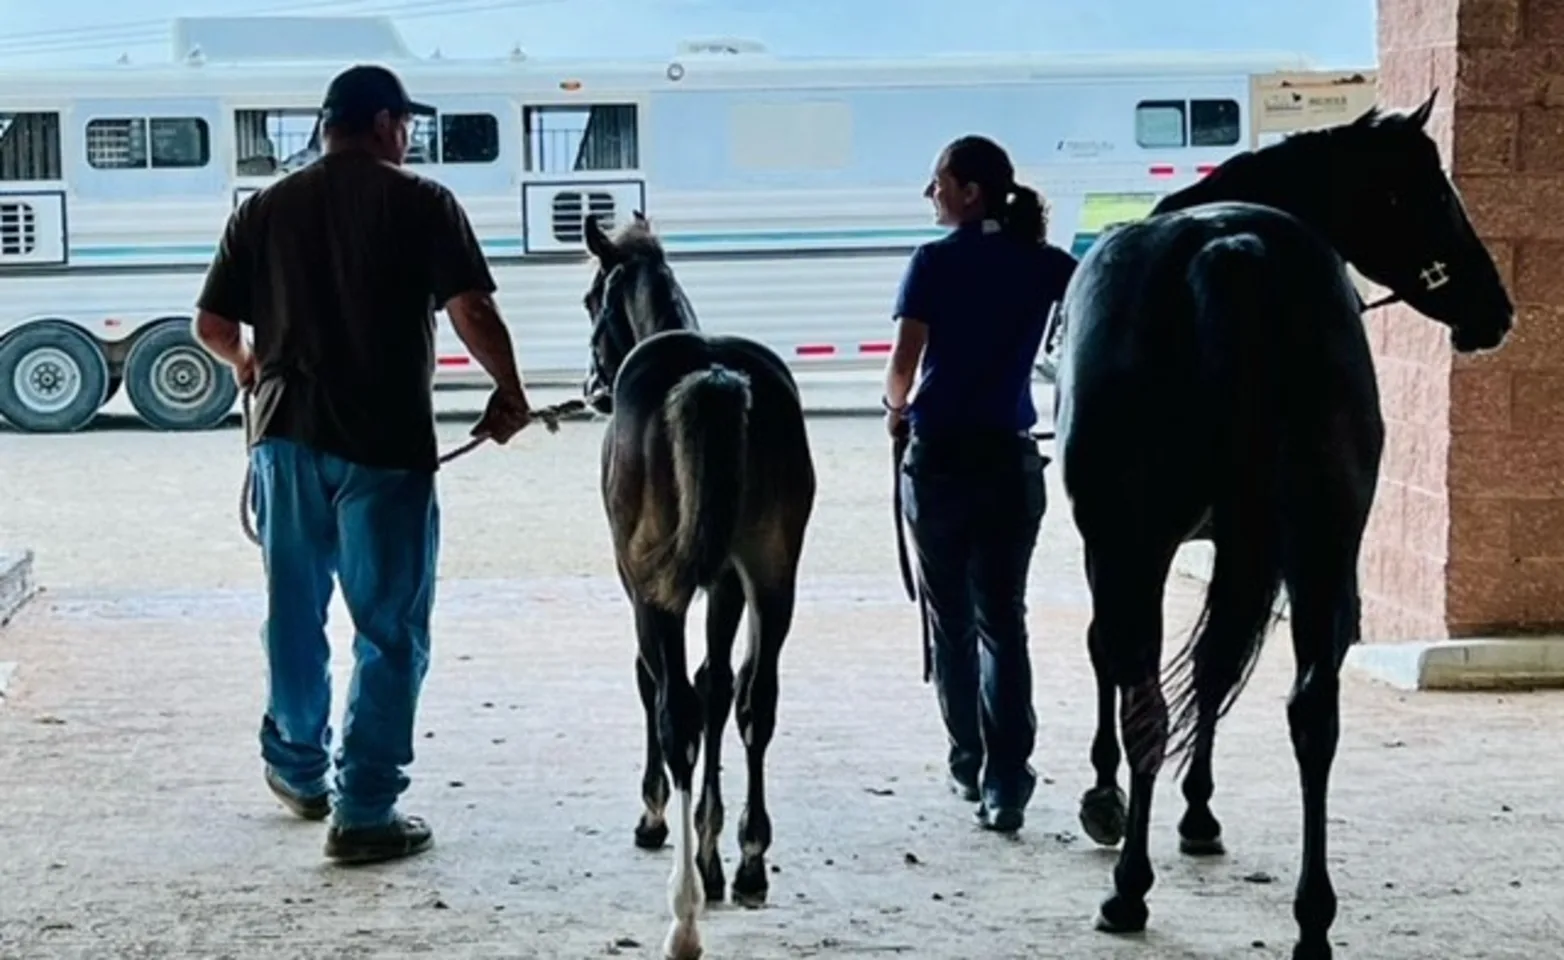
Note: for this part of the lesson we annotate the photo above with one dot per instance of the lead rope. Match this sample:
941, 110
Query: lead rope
550, 417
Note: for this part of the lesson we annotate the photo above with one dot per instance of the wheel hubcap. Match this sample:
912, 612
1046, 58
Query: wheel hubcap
182, 378
47, 380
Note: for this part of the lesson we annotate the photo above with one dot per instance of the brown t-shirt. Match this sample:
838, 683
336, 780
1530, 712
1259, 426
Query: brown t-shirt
339, 268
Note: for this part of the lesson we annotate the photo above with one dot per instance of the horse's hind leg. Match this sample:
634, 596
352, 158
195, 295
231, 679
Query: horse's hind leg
679, 725
714, 681
771, 616
1103, 806
1199, 831
1322, 585
652, 830
1127, 585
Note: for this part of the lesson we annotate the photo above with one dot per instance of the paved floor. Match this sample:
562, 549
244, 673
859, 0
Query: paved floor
133, 822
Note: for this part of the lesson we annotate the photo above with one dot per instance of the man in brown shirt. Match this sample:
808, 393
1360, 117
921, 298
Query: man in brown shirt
338, 269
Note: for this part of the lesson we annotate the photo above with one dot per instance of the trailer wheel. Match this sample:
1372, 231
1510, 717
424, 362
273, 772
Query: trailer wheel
174, 383
53, 378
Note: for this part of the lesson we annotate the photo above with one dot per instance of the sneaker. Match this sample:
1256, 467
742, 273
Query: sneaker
402, 837
316, 807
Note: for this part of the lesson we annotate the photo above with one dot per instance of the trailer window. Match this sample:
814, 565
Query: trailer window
423, 141
30, 147
454, 138
1213, 123
268, 142
570, 210
576, 139
1159, 124
469, 138
141, 143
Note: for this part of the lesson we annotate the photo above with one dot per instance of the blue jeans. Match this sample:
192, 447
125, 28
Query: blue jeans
975, 505
378, 532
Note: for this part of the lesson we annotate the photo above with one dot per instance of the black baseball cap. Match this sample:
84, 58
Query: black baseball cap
360, 92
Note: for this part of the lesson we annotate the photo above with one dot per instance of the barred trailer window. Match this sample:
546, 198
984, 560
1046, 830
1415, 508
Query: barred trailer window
453, 138
139, 143
272, 141
574, 139
30, 147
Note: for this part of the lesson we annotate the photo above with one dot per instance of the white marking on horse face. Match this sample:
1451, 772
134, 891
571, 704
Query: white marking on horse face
1434, 276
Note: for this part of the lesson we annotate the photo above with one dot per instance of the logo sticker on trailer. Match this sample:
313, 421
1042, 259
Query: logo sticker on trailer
1103, 210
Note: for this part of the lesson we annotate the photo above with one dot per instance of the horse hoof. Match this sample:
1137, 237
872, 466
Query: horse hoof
1201, 847
714, 882
1104, 815
1120, 915
651, 836
750, 885
683, 943
1318, 950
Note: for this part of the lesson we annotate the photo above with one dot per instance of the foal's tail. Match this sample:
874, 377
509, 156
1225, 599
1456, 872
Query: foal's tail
1244, 372
708, 426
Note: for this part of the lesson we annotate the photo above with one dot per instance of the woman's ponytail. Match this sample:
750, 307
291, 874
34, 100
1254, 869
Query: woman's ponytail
1022, 216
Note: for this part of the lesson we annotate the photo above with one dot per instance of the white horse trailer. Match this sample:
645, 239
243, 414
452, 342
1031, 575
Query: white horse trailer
788, 191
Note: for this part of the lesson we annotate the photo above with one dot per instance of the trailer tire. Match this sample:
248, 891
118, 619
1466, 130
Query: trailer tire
53, 378
174, 384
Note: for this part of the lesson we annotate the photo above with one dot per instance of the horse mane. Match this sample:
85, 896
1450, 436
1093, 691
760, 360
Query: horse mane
1254, 170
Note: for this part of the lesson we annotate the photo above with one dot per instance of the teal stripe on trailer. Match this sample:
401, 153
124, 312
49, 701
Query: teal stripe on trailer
512, 246
1082, 243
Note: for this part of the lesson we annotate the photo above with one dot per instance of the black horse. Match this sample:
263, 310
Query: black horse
709, 484
1216, 383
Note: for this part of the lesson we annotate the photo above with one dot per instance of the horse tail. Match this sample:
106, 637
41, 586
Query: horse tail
1243, 368
707, 413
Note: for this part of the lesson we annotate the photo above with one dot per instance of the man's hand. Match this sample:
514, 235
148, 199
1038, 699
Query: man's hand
506, 415
246, 371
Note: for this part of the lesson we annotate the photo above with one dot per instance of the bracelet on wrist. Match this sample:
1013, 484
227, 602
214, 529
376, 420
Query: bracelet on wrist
887, 406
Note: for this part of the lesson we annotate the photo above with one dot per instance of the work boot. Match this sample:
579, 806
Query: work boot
402, 837
315, 807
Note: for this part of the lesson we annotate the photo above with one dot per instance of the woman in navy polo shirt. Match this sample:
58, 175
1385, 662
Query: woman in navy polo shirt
970, 314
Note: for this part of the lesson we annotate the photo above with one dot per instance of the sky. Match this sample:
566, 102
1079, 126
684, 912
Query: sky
1333, 33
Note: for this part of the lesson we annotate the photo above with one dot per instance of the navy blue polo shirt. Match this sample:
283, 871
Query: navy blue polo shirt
985, 299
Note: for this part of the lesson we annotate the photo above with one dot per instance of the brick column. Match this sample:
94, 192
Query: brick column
1467, 535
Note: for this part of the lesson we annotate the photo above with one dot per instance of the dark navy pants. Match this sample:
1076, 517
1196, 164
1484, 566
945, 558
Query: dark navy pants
974, 504
377, 531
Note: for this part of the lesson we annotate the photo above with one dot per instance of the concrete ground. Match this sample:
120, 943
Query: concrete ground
134, 824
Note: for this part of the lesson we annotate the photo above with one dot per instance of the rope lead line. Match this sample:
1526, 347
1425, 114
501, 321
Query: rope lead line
549, 416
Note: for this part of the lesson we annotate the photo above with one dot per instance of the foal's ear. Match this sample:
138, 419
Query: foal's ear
597, 241
639, 217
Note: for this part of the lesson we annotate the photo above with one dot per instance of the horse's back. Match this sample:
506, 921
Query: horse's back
660, 361
1147, 372
779, 452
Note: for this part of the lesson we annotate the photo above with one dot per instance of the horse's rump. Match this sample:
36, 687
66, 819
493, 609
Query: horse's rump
692, 408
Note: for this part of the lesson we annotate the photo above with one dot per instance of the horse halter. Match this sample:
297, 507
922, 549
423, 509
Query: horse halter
1434, 276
